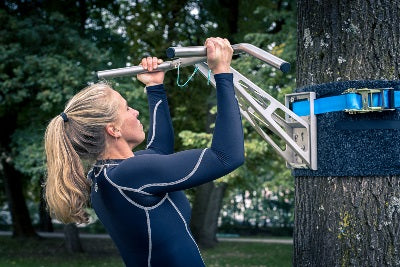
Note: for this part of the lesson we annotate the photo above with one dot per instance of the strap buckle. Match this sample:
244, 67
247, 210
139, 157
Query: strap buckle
372, 100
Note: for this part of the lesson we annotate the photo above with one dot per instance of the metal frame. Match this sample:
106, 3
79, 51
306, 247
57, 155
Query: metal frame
165, 66
201, 51
305, 138
256, 106
261, 110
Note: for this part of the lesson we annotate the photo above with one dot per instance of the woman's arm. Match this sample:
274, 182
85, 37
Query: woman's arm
158, 174
160, 137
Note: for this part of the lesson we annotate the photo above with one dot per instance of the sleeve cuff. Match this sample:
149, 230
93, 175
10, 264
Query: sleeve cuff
155, 88
227, 76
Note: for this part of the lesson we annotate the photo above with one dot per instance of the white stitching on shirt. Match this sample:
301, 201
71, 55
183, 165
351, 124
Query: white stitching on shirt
123, 187
101, 168
149, 234
183, 219
120, 188
180, 180
141, 206
154, 123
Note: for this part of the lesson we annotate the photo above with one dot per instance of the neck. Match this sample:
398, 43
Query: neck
117, 149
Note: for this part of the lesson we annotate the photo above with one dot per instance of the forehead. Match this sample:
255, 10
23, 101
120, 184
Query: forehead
118, 97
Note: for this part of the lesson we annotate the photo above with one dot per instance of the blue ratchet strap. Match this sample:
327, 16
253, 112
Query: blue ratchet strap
352, 102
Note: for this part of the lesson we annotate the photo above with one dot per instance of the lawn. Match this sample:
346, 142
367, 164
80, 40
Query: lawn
102, 252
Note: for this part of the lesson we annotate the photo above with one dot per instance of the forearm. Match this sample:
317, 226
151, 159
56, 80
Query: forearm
227, 140
161, 133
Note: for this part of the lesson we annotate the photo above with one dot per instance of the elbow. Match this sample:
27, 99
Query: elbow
236, 161
240, 160
231, 160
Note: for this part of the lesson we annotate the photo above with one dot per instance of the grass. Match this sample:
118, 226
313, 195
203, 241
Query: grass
237, 254
102, 252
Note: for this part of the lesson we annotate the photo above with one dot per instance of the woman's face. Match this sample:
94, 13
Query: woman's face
128, 123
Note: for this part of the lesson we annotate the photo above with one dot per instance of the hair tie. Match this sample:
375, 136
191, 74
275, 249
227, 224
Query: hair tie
64, 116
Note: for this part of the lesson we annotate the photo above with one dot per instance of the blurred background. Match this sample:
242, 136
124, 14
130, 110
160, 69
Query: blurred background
49, 50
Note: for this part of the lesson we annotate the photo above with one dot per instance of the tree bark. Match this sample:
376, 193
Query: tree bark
45, 223
21, 222
72, 241
347, 221
231, 9
205, 212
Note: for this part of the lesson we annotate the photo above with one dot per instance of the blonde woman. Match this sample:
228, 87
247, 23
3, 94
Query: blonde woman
138, 195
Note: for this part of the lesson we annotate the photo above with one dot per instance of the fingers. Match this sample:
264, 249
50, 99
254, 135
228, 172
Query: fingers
218, 42
219, 54
150, 63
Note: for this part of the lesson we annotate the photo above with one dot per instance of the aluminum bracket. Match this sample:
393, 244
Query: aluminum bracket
261, 110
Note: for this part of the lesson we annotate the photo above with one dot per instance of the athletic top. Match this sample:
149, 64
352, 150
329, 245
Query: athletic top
140, 200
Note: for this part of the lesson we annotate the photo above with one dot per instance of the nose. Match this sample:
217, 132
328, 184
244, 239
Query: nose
136, 112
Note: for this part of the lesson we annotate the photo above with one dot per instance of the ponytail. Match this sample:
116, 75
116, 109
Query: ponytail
76, 135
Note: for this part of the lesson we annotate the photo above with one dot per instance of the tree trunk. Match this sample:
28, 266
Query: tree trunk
231, 8
21, 222
343, 220
72, 241
45, 223
206, 208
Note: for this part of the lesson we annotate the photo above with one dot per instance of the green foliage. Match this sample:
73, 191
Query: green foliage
50, 52
195, 140
153, 26
29, 155
44, 61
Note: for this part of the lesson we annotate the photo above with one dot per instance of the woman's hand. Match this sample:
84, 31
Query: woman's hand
219, 55
154, 78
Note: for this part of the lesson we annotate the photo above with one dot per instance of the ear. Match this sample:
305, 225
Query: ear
112, 130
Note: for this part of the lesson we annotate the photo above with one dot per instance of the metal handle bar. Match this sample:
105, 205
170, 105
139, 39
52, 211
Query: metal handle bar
198, 51
165, 66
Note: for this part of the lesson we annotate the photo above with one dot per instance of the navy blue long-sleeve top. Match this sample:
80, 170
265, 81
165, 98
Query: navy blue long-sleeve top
140, 200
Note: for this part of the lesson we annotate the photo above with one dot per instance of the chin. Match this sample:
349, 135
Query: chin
140, 140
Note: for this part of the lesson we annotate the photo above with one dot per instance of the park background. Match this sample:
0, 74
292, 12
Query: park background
52, 49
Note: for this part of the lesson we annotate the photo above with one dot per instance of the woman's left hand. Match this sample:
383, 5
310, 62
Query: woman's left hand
153, 78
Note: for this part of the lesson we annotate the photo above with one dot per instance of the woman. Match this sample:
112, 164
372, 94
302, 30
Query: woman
138, 196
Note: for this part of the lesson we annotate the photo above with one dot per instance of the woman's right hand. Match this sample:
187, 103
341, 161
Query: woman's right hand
219, 55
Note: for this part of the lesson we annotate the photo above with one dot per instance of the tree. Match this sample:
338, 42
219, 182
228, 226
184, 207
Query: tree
351, 219
44, 61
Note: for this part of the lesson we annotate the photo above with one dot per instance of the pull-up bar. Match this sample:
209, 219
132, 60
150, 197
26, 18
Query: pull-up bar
201, 51
196, 54
165, 66
256, 105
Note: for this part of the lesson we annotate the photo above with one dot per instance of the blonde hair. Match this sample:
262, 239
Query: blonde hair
67, 143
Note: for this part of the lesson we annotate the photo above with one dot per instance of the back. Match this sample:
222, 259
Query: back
147, 229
